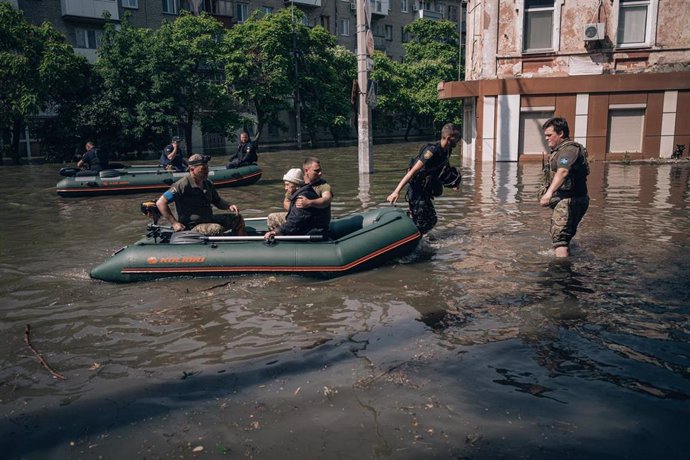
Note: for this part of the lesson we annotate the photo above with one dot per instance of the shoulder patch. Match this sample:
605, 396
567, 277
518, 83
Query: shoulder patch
563, 161
428, 154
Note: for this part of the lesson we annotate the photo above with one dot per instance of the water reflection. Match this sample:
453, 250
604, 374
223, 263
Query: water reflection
481, 312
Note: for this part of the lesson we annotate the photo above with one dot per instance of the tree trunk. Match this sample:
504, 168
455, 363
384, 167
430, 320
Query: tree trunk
16, 131
188, 133
409, 127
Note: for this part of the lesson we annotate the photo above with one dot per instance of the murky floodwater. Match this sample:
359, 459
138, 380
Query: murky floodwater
480, 345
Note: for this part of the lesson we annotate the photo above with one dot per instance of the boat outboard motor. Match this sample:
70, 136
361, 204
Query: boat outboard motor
149, 209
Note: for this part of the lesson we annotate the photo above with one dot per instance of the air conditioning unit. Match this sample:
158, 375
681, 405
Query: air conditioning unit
594, 31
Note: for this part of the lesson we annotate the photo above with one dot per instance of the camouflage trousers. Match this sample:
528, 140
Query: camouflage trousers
422, 211
222, 223
565, 218
275, 220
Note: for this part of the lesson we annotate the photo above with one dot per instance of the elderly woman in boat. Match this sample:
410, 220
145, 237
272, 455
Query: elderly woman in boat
299, 220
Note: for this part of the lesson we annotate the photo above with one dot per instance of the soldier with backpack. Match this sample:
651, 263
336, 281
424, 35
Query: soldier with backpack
565, 184
427, 174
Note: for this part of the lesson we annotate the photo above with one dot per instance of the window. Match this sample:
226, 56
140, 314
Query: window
241, 12
130, 3
404, 6
345, 27
625, 130
170, 6
453, 13
531, 135
326, 22
221, 8
634, 22
88, 38
404, 36
267, 9
538, 21
388, 32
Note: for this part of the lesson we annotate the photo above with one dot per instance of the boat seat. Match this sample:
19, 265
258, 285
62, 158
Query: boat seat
344, 226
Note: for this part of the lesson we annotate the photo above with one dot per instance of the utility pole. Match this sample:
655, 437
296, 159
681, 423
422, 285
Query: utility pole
364, 144
298, 115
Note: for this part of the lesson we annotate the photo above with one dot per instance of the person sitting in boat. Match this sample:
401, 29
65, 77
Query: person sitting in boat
193, 196
292, 180
246, 152
92, 161
171, 158
312, 176
309, 220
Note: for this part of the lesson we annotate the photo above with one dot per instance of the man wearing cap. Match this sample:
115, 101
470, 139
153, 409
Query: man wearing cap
246, 152
193, 196
292, 180
429, 171
171, 158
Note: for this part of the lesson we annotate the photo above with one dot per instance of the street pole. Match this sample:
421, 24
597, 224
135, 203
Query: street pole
298, 115
364, 144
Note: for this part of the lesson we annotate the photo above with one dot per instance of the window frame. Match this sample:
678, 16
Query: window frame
241, 12
86, 40
521, 26
620, 109
404, 6
170, 3
650, 28
344, 31
526, 136
131, 4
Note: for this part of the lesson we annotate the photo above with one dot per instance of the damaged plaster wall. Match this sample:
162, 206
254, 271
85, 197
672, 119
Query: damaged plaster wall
501, 41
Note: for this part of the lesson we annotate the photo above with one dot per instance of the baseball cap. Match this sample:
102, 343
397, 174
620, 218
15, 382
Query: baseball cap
197, 159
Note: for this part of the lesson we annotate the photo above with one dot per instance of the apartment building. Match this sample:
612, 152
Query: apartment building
82, 21
618, 70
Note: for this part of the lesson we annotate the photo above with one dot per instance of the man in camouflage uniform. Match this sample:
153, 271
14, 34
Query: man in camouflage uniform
429, 171
565, 184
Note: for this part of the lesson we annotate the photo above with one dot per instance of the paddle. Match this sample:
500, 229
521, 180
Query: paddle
194, 237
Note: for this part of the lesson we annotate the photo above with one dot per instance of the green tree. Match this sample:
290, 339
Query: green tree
260, 66
39, 71
155, 82
325, 82
430, 57
394, 99
188, 74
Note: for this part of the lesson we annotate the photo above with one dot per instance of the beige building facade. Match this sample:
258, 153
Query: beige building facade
617, 70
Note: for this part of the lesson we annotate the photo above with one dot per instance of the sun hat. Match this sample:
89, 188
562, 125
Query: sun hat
197, 159
294, 176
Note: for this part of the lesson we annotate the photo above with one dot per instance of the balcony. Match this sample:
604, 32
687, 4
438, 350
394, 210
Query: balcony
89, 9
428, 14
306, 3
379, 7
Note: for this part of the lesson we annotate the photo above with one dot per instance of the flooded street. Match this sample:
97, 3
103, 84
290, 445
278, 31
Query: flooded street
479, 345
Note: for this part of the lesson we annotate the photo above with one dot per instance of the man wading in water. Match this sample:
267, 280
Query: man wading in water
565, 184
